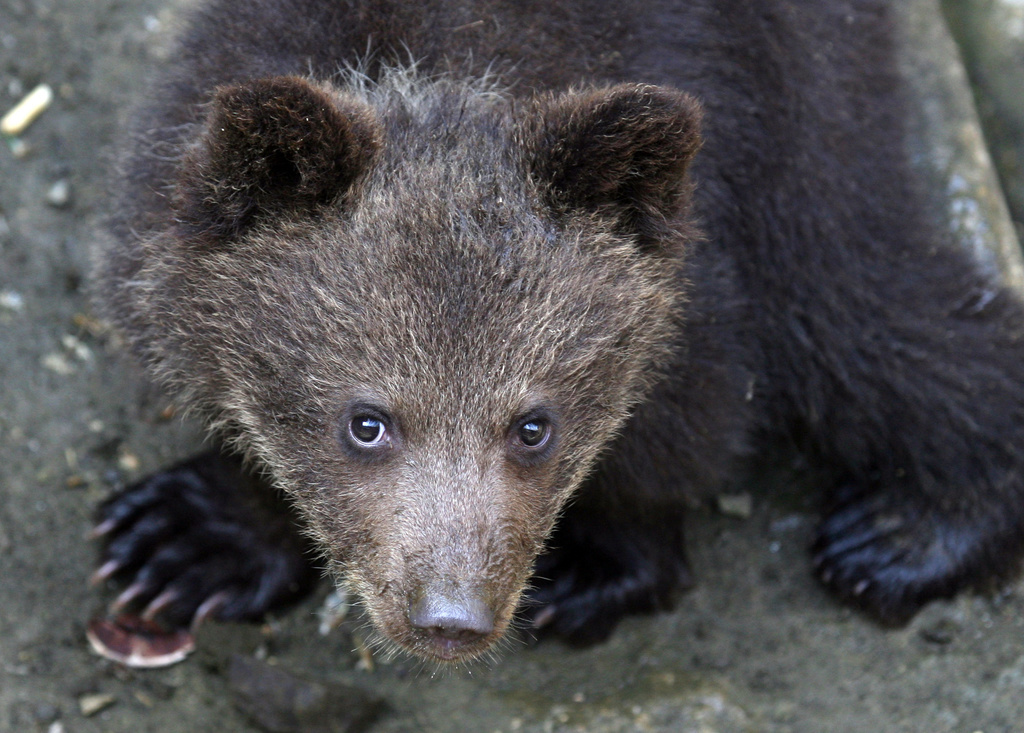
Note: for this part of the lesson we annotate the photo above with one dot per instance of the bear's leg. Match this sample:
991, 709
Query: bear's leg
889, 553
203, 538
929, 434
600, 568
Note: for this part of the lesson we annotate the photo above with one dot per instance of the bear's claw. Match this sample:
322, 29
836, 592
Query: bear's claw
190, 547
581, 597
889, 559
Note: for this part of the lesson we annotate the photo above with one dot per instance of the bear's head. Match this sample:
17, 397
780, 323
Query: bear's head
426, 309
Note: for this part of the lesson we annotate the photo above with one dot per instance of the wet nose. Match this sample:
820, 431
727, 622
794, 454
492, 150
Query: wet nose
460, 620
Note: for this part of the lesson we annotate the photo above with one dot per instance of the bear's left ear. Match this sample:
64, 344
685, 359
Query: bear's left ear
271, 146
621, 151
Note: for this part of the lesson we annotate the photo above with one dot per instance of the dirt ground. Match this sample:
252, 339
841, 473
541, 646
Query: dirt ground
756, 646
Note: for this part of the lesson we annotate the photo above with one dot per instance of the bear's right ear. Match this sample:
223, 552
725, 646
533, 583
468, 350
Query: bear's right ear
271, 146
621, 152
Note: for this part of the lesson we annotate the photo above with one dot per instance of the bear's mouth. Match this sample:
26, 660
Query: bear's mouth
448, 650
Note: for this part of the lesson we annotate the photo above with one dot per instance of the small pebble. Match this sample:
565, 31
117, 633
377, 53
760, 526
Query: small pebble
25, 112
332, 612
59, 195
76, 347
740, 506
93, 703
58, 364
11, 301
128, 462
365, 663
19, 148
90, 325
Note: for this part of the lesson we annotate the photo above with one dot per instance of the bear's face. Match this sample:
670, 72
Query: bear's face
426, 315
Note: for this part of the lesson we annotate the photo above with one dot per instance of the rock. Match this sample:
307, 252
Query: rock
947, 142
11, 301
991, 38
19, 148
59, 195
279, 701
58, 364
740, 505
93, 703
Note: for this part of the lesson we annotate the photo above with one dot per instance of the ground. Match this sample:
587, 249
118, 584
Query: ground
757, 645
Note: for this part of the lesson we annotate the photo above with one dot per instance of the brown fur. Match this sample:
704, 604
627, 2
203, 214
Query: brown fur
504, 237
399, 306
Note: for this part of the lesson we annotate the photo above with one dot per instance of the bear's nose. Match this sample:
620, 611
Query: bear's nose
455, 620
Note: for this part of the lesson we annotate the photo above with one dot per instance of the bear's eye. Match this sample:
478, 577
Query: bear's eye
534, 433
367, 431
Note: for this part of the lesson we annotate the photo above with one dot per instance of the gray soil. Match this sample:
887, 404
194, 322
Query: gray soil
757, 645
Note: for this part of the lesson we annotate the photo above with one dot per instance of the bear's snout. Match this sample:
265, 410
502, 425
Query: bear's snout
451, 623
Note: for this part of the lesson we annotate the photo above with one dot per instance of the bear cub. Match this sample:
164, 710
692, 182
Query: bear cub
489, 291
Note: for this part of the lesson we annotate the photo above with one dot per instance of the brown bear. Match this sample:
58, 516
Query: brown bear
455, 279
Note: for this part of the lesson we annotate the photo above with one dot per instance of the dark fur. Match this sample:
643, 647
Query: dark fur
292, 251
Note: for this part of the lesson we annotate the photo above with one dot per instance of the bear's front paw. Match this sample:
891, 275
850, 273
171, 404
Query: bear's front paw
581, 597
189, 547
889, 557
